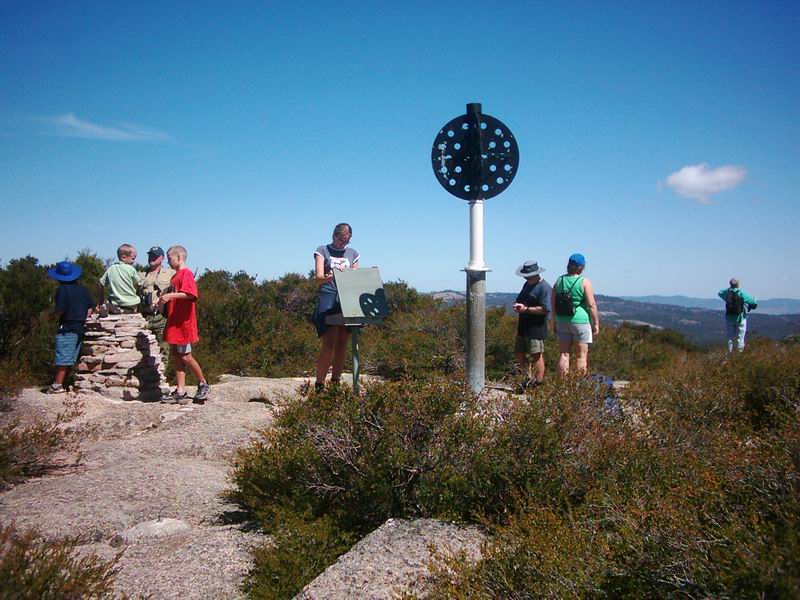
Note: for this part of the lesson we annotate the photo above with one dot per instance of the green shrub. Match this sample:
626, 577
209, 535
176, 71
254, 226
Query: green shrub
694, 495
411, 448
420, 344
299, 551
35, 568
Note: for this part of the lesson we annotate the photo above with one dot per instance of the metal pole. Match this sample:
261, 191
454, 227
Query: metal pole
476, 330
356, 366
476, 300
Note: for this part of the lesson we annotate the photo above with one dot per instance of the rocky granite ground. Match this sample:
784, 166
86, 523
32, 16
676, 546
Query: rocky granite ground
149, 485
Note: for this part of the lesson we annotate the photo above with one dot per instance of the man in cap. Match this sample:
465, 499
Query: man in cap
737, 304
533, 307
154, 282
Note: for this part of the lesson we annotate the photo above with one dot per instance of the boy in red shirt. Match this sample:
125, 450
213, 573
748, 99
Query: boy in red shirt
181, 329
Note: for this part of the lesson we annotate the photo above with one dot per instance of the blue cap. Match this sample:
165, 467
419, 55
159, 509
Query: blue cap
577, 259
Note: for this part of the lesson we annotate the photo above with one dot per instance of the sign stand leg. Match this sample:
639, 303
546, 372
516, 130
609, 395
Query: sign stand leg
356, 365
476, 330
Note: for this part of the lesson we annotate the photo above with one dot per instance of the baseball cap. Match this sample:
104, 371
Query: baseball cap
155, 251
577, 260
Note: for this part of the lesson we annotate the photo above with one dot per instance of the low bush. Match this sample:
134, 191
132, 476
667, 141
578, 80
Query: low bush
693, 493
35, 568
299, 551
696, 494
411, 448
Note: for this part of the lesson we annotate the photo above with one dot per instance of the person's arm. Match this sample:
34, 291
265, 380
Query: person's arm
164, 298
590, 301
320, 276
749, 300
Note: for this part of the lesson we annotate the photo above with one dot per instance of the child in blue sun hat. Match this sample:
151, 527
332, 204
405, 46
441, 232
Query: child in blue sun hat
73, 306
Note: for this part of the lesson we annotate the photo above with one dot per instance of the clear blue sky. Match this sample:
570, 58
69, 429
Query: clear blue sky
661, 140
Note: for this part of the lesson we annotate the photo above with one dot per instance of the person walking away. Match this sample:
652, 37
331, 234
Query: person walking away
181, 329
533, 307
122, 282
577, 320
73, 307
154, 282
737, 304
328, 258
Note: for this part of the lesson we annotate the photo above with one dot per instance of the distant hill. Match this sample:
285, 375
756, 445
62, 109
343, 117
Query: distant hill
773, 306
698, 324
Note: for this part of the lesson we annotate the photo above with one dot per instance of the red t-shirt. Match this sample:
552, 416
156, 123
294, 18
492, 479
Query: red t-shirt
182, 314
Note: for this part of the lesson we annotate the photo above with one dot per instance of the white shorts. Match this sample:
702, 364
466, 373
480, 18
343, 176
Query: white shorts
579, 333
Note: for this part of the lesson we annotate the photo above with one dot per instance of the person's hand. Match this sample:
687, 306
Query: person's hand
595, 329
163, 299
518, 307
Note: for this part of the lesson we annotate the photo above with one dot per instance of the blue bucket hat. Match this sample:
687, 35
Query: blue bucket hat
577, 259
65, 271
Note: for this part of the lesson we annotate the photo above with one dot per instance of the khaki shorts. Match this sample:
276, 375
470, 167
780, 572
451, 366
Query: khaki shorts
579, 333
528, 346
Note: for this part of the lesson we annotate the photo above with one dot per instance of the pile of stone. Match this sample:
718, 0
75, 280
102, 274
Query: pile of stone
121, 359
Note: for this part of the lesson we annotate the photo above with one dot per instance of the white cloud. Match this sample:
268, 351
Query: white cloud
700, 182
69, 125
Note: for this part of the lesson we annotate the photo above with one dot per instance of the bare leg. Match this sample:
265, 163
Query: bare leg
61, 375
189, 360
339, 352
537, 361
581, 358
564, 347
326, 353
524, 363
180, 370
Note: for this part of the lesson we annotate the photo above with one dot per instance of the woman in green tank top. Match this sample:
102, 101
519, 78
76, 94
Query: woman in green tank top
577, 320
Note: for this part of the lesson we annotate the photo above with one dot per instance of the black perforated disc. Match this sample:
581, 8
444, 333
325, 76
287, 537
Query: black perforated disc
475, 156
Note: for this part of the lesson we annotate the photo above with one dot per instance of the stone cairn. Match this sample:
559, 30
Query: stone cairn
120, 359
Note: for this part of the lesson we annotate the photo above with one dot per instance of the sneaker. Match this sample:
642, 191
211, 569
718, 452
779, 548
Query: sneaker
319, 386
202, 392
176, 397
54, 388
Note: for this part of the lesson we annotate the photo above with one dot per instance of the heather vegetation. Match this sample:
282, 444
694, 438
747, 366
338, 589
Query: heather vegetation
692, 492
35, 568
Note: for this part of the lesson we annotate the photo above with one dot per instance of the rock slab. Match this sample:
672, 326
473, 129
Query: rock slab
393, 558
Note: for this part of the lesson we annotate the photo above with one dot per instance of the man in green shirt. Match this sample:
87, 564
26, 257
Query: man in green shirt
154, 282
122, 282
737, 304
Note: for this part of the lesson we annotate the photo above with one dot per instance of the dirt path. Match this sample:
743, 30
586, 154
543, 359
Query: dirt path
149, 483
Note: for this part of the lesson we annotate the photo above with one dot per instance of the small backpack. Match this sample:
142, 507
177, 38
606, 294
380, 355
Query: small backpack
564, 305
734, 303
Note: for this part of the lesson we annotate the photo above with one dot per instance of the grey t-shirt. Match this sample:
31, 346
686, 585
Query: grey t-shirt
339, 259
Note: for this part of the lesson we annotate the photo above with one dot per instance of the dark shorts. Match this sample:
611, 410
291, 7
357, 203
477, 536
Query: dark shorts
327, 304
